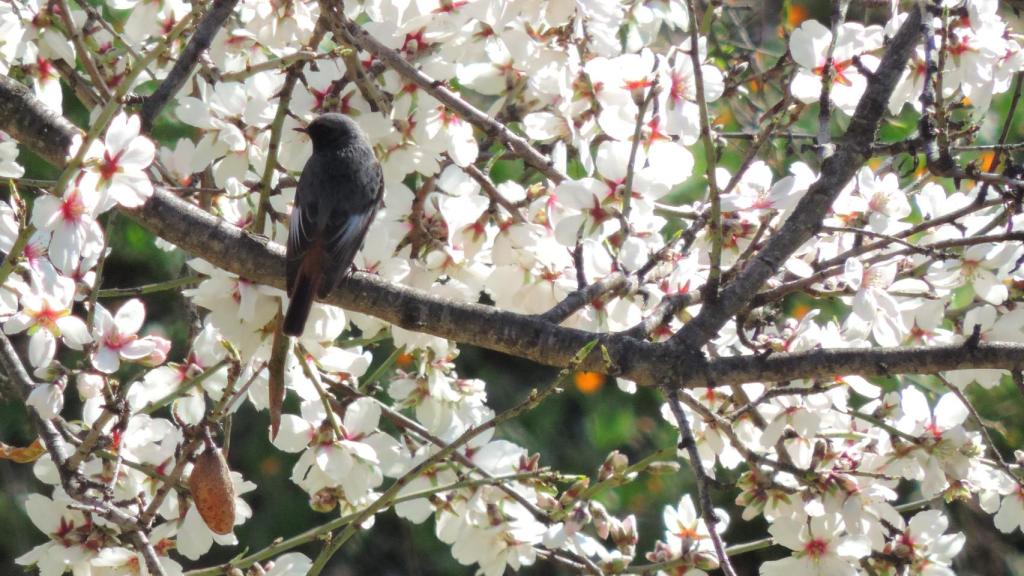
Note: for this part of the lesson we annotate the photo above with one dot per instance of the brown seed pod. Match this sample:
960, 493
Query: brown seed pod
212, 491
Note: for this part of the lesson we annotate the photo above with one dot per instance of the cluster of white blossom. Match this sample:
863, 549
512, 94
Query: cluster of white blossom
608, 91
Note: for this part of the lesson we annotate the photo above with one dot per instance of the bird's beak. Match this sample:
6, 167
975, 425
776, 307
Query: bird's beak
302, 129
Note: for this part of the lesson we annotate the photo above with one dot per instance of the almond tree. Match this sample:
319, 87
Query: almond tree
681, 187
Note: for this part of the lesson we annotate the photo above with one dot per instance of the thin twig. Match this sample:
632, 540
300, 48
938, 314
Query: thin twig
638, 133
83, 52
715, 216
827, 79
707, 510
492, 192
325, 400
997, 457
578, 299
385, 499
266, 183
145, 289
364, 40
276, 64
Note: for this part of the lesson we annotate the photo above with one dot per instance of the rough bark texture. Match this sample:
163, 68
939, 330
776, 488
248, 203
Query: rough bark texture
28, 121
537, 338
207, 28
854, 149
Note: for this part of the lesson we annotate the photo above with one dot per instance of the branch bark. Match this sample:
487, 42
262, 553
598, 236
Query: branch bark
187, 61
529, 337
359, 37
852, 152
69, 478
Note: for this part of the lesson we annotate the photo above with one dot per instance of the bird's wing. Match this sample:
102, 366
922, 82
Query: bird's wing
353, 219
302, 228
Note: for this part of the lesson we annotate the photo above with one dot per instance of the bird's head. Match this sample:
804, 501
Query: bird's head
333, 131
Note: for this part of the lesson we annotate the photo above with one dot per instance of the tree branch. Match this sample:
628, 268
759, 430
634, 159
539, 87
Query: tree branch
707, 510
361, 38
579, 299
838, 169
187, 60
529, 337
69, 478
32, 123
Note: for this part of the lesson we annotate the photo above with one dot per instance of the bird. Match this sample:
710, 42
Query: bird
339, 192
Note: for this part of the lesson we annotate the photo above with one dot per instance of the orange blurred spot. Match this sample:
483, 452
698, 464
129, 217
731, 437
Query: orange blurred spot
404, 360
988, 160
874, 163
655, 484
800, 310
723, 119
589, 382
796, 14
270, 466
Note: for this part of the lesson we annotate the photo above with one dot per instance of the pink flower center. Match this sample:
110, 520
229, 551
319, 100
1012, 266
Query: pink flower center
598, 213
879, 201
47, 317
840, 72
109, 167
71, 209
634, 84
414, 42
655, 131
45, 68
934, 430
907, 541
687, 533
969, 268
450, 6
116, 340
680, 88
816, 548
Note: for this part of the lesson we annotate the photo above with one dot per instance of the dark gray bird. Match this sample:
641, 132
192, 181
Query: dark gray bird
339, 192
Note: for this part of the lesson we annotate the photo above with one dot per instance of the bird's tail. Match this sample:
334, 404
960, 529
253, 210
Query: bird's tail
300, 305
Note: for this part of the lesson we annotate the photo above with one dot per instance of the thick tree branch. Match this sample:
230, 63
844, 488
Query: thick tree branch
187, 60
33, 124
853, 150
866, 362
529, 337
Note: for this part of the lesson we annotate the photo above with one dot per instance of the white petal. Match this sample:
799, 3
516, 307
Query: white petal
121, 131
41, 348
362, 416
74, 332
950, 412
140, 155
106, 360
130, 317
137, 349
294, 435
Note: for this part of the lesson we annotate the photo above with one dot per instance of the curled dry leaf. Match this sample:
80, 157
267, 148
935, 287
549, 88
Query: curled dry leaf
212, 491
